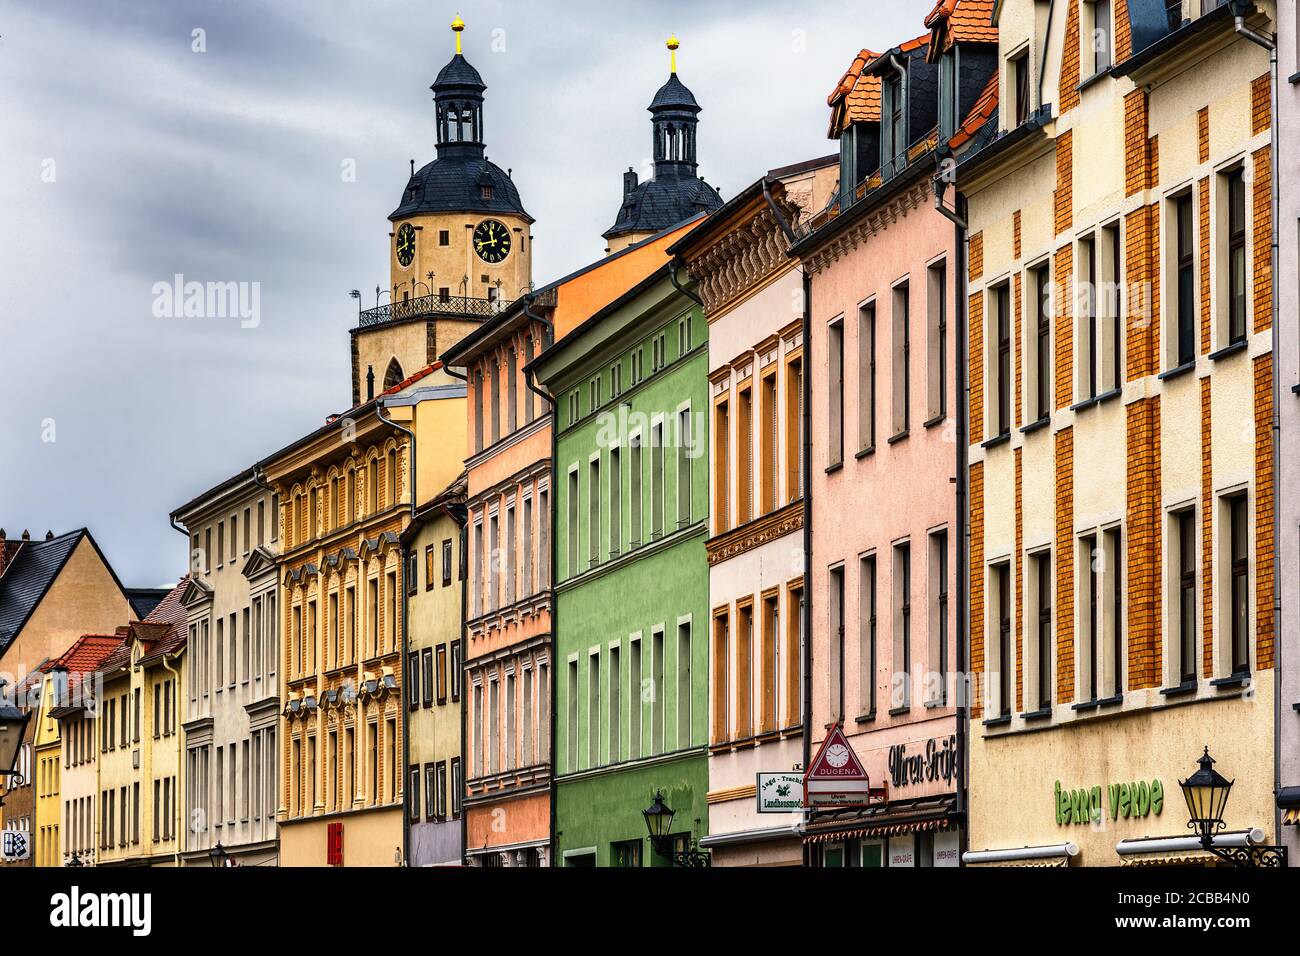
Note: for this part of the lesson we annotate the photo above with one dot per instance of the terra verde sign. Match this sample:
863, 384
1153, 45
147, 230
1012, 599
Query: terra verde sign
1130, 801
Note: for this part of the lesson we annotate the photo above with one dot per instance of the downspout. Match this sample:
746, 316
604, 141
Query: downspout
259, 479
463, 522
1269, 43
957, 216
672, 277
406, 605
531, 382
805, 477
180, 736
1047, 35
776, 214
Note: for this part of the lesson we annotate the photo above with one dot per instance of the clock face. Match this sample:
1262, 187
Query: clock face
492, 241
837, 755
405, 244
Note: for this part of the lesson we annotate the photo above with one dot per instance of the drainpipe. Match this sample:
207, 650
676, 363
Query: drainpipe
672, 276
406, 604
176, 857
781, 221
806, 478
531, 381
1269, 43
957, 216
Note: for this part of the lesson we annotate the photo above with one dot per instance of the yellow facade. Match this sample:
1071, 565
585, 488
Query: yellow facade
47, 745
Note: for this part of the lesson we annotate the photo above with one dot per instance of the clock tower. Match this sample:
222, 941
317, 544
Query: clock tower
459, 243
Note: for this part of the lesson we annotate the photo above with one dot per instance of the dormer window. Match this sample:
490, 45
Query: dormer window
486, 191
948, 100
893, 135
1018, 80
1102, 34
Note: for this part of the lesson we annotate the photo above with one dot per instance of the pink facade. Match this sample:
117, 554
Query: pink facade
884, 514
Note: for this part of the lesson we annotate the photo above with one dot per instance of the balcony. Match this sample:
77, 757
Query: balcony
432, 306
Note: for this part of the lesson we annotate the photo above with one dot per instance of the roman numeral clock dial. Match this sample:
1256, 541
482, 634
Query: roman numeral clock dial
492, 241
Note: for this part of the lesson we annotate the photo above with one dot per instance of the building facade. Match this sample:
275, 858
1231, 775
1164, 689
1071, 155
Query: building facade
1121, 474
630, 383
752, 294
882, 265
232, 677
434, 545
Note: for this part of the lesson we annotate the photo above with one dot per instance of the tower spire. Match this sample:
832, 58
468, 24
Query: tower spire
673, 44
457, 26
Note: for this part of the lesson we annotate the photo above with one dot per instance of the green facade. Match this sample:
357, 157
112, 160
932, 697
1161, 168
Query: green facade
631, 649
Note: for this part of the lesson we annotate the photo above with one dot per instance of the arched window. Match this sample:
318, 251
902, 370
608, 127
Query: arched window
392, 477
393, 376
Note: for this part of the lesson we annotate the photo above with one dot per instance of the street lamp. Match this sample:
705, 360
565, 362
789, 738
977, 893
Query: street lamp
13, 724
1206, 792
658, 822
218, 855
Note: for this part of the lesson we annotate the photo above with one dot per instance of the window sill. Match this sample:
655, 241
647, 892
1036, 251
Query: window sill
1228, 351
936, 420
831, 469
1180, 690
935, 704
899, 711
1294, 78
865, 453
867, 718
1111, 701
1231, 681
896, 438
1095, 78
1084, 706
1096, 400
1002, 721
1035, 426
1177, 371
1032, 715
997, 440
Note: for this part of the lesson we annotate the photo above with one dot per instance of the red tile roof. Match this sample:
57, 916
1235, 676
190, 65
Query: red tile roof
164, 631
855, 99
984, 108
84, 657
960, 21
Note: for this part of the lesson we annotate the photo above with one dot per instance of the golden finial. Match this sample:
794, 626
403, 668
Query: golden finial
457, 25
673, 44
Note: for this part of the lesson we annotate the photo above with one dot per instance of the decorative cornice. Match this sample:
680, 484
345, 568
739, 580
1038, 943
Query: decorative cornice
755, 534
753, 251
874, 221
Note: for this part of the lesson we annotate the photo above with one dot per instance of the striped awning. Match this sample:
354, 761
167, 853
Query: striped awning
920, 815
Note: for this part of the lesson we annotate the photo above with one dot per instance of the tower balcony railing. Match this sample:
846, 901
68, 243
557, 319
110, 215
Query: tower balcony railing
433, 305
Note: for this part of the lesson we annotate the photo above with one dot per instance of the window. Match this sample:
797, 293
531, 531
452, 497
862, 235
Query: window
508, 556
572, 715
949, 105
615, 743
893, 133
794, 427
867, 636
431, 791
593, 512
478, 410
657, 480
528, 392
625, 854
1020, 101
1184, 658
593, 393
512, 390
1110, 295
1185, 282
1041, 565
1101, 36
1087, 337
936, 363
721, 467
1002, 591
456, 786
902, 657
455, 670
593, 709
744, 453
1002, 358
572, 529
543, 538
937, 629
835, 394
1090, 664
635, 499
683, 685
867, 377
768, 442
414, 787
1235, 189
440, 776
444, 237
684, 451
658, 703
768, 663
495, 401
744, 670
901, 376
526, 580
719, 694
615, 502
635, 692
446, 564
1114, 557
413, 679
435, 674
1041, 359
1239, 588
836, 627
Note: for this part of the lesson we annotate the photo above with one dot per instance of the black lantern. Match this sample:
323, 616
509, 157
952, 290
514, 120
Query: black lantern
658, 818
218, 855
1206, 792
13, 725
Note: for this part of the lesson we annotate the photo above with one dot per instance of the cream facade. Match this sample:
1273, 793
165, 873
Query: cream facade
1121, 472
232, 678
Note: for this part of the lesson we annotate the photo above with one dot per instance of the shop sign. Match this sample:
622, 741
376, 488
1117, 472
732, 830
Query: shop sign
947, 848
836, 777
14, 845
902, 851
937, 761
780, 792
1130, 801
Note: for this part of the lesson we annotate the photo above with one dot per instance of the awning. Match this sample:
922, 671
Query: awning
1054, 855
923, 814
765, 835
1182, 850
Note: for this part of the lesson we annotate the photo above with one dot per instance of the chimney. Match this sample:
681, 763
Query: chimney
27, 535
49, 535
629, 180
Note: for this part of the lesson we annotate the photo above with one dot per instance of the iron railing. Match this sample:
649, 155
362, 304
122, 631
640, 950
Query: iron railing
432, 305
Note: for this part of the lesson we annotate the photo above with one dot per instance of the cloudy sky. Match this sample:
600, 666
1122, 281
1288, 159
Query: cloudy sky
134, 148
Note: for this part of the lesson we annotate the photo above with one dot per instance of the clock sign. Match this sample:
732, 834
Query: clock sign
492, 241
405, 244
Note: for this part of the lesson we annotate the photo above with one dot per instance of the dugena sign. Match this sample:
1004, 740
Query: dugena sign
780, 792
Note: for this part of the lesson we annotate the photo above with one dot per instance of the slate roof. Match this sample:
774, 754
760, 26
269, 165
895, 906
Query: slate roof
984, 109
164, 631
455, 184
144, 600
674, 95
660, 203
28, 577
458, 72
